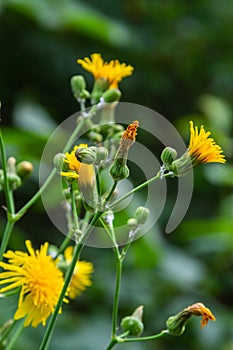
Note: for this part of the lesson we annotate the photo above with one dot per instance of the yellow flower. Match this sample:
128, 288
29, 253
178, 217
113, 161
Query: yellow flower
81, 275
40, 281
73, 163
85, 173
203, 149
113, 72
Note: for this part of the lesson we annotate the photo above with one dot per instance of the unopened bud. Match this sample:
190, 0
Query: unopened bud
111, 95
119, 170
132, 223
86, 155
95, 136
100, 86
58, 161
24, 169
133, 324
141, 215
101, 154
78, 87
168, 155
14, 181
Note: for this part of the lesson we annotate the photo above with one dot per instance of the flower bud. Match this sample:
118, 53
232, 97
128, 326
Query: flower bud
78, 87
24, 169
168, 155
95, 136
133, 324
111, 95
141, 215
176, 324
14, 181
101, 154
58, 161
86, 155
132, 223
119, 170
100, 86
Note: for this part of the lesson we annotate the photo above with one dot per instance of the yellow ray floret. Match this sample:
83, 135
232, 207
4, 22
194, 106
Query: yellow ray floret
203, 149
39, 279
81, 275
113, 72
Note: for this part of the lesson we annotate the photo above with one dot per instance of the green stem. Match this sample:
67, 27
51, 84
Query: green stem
151, 337
7, 190
120, 339
77, 250
15, 336
7, 328
110, 193
6, 236
116, 295
144, 184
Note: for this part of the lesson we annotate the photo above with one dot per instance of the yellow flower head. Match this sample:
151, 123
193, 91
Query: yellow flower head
113, 72
85, 173
40, 281
81, 275
203, 149
73, 163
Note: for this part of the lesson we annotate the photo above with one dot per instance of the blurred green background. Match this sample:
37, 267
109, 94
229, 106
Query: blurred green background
183, 57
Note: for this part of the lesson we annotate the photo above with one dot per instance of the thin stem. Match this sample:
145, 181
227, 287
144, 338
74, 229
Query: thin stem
116, 295
15, 336
77, 250
7, 190
151, 337
6, 329
6, 237
144, 184
110, 193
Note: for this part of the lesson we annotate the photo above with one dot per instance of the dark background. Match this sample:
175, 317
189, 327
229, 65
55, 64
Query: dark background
183, 58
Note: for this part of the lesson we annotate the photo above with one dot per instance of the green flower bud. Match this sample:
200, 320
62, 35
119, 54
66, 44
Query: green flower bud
119, 169
95, 136
58, 161
14, 181
100, 86
141, 215
176, 324
168, 155
111, 95
78, 87
101, 154
24, 169
86, 155
133, 324
132, 223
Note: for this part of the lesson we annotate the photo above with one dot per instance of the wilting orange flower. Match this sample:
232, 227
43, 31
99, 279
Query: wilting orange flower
81, 275
113, 72
176, 324
203, 149
199, 309
40, 281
